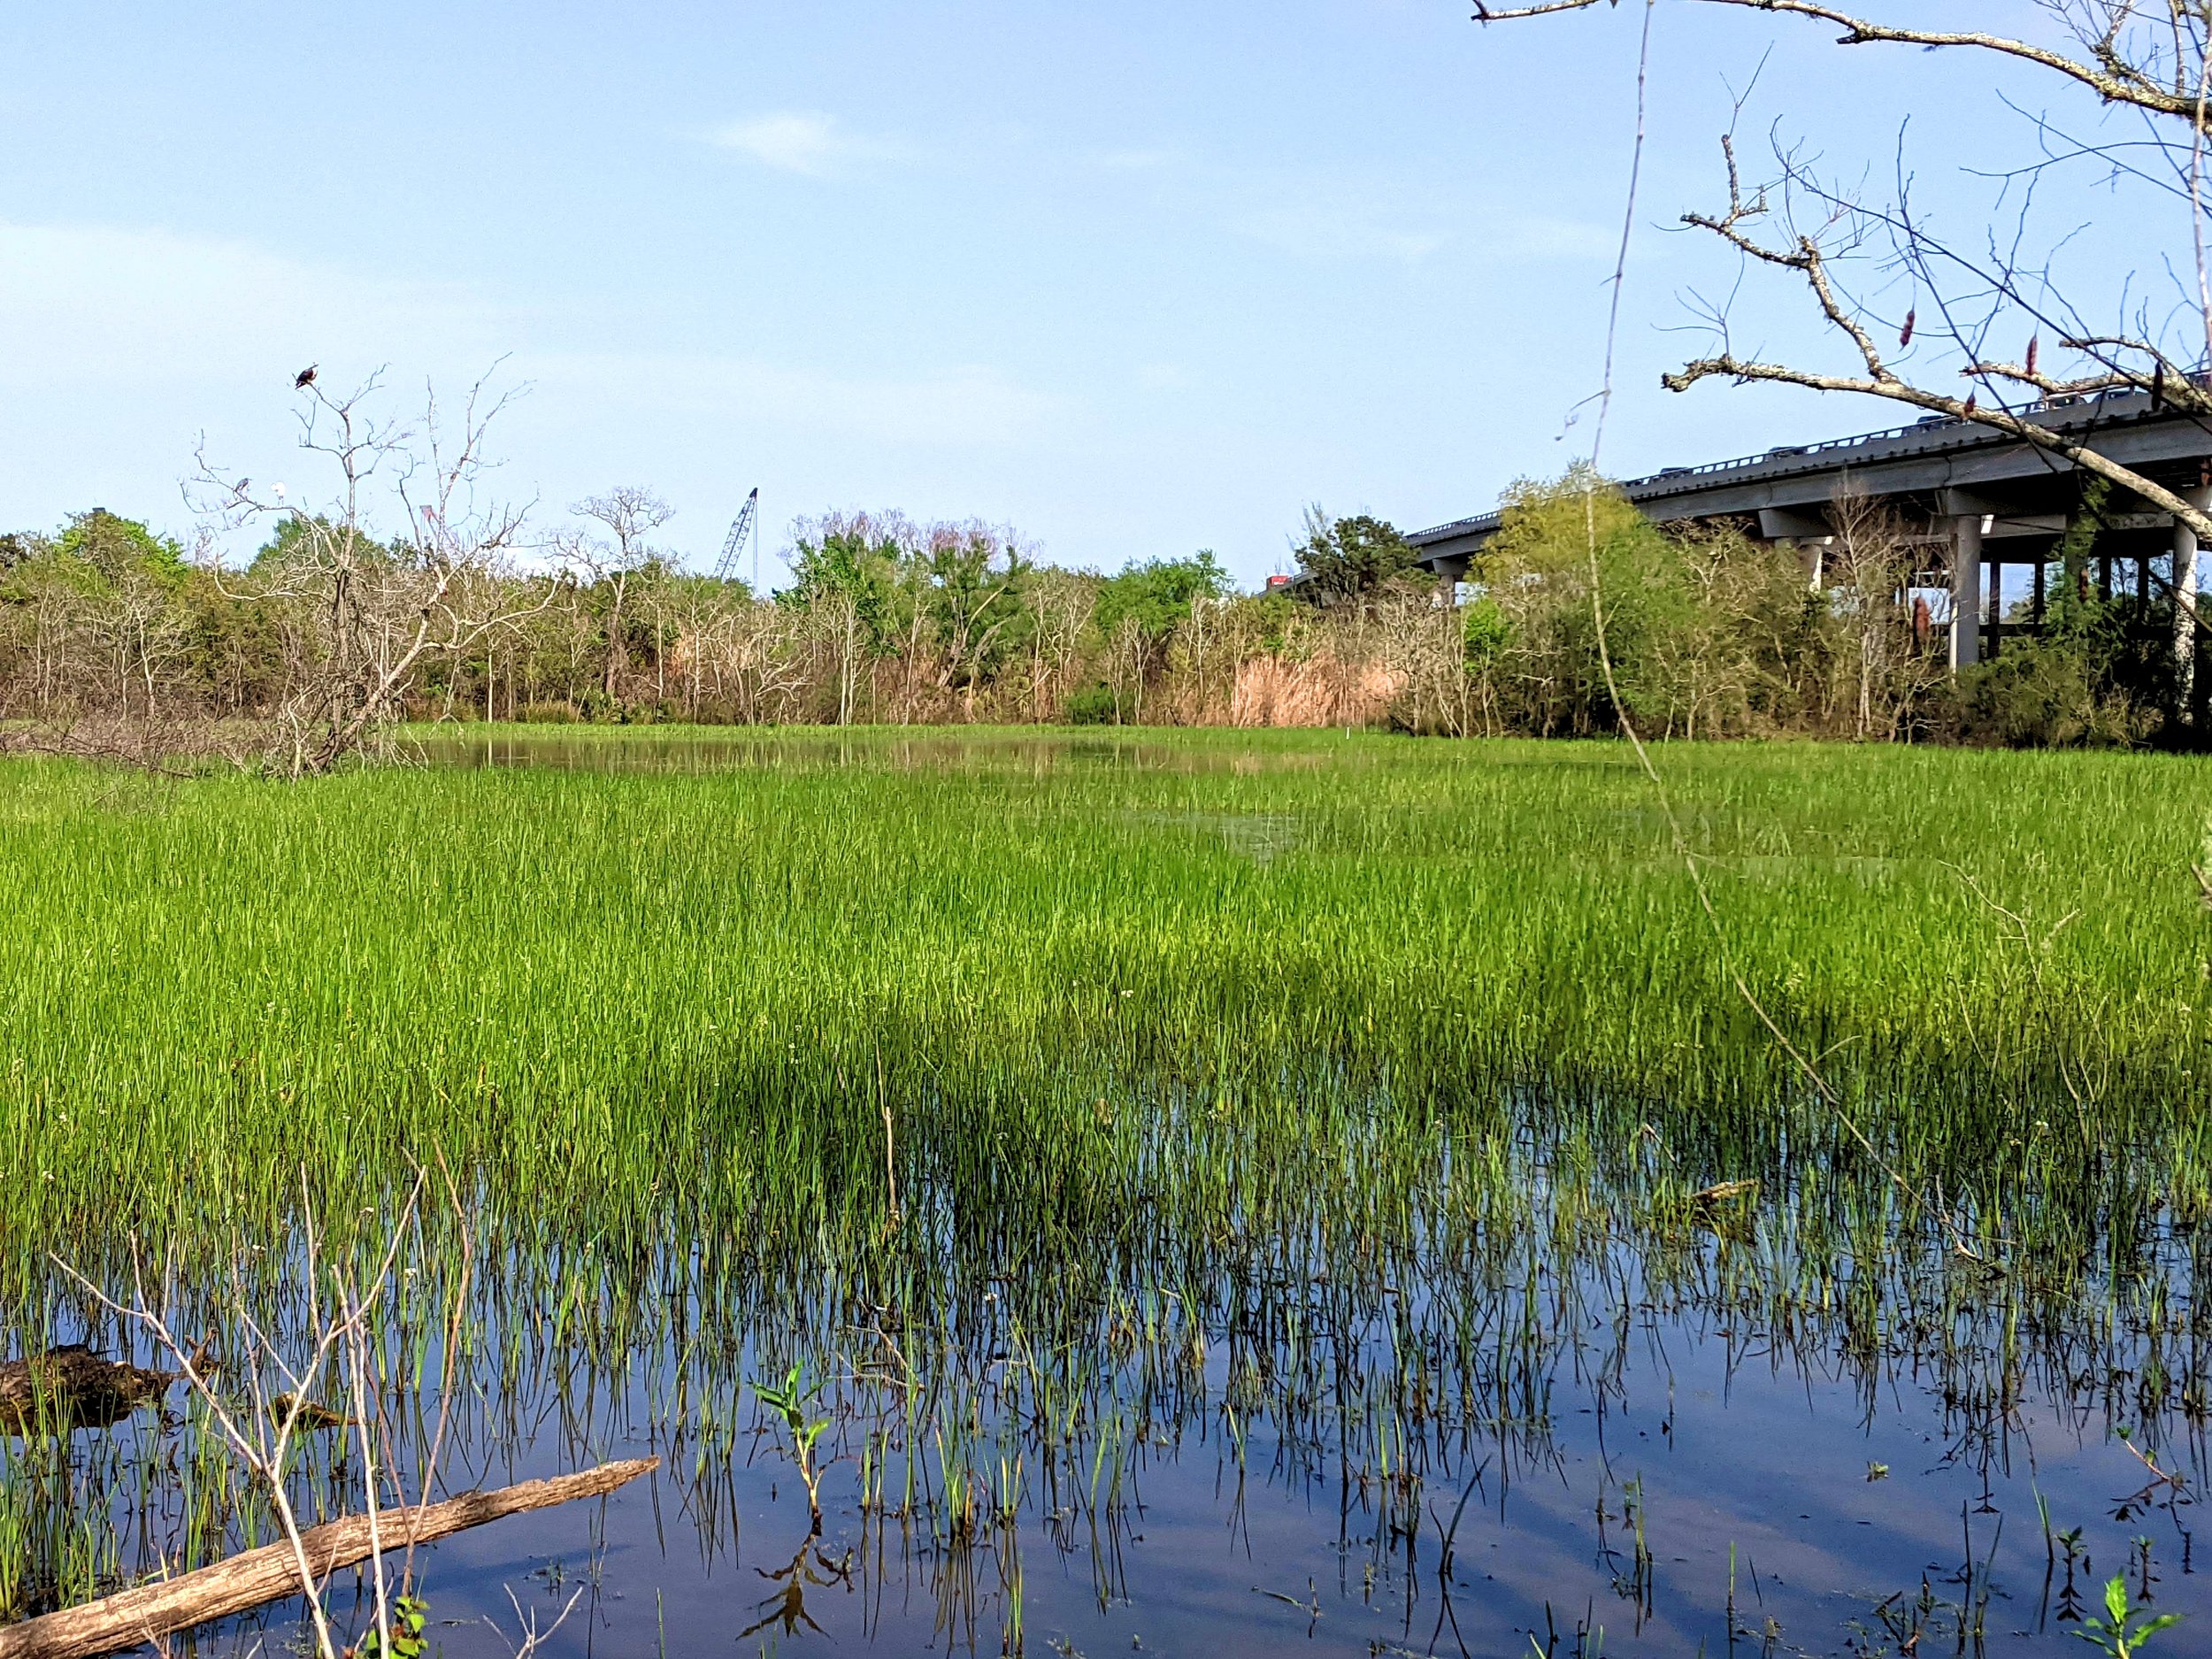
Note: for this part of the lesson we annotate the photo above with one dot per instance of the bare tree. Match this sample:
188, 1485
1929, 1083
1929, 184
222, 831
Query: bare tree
260, 1429
1128, 662
770, 662
1875, 270
142, 634
43, 615
1061, 607
376, 612
1884, 657
1203, 656
629, 516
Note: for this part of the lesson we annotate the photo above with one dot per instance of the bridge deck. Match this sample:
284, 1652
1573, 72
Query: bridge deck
1941, 468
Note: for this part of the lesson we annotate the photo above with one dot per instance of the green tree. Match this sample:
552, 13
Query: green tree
851, 562
2104, 667
976, 583
1554, 537
850, 574
1352, 560
116, 547
128, 581
1157, 595
1140, 610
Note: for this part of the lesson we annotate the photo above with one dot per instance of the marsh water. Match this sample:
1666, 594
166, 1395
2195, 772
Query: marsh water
1419, 1441
1521, 1375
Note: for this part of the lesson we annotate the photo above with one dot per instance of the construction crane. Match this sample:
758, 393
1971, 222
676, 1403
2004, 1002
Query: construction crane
745, 524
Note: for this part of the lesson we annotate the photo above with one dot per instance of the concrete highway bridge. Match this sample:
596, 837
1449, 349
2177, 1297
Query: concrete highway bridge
1988, 509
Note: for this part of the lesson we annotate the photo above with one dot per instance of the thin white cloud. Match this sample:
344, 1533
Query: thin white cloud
1331, 213
1325, 213
1337, 219
808, 142
126, 310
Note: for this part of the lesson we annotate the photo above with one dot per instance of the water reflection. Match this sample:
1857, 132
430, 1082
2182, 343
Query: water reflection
1540, 1405
695, 749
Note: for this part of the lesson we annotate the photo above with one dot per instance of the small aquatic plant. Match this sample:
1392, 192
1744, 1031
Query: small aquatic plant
406, 1641
2125, 1628
789, 1401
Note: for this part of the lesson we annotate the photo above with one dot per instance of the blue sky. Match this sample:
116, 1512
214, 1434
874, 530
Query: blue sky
1135, 279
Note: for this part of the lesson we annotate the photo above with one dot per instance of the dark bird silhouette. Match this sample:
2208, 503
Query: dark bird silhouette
1904, 335
304, 378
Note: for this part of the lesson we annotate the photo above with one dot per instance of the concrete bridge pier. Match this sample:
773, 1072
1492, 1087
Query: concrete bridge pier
1966, 589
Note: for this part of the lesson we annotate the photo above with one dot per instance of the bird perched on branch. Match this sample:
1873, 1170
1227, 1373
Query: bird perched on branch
304, 378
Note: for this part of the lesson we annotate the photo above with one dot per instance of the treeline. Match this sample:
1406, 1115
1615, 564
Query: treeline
1709, 634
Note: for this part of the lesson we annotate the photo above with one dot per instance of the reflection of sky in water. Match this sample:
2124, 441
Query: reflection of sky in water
1258, 836
800, 749
1756, 1469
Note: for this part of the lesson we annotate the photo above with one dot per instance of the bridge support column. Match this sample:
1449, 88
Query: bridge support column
1966, 589
2186, 598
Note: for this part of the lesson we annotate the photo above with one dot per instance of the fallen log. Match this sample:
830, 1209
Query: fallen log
70, 1387
257, 1577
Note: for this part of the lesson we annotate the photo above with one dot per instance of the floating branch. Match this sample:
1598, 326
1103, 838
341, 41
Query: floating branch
251, 1579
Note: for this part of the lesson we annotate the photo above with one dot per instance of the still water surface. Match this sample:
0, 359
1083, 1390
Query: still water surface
1673, 1479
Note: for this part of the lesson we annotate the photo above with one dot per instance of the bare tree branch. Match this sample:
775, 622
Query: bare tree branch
2108, 71
379, 609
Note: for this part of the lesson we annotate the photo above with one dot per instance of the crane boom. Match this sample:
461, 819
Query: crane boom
740, 528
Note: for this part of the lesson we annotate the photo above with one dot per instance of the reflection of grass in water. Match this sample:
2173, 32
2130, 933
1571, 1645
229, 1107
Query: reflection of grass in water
1421, 1332
1174, 1128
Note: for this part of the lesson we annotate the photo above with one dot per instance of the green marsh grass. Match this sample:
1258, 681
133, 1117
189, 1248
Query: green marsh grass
1358, 1088
622, 995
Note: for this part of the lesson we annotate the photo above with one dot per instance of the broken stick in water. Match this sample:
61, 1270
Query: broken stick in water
131, 1619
